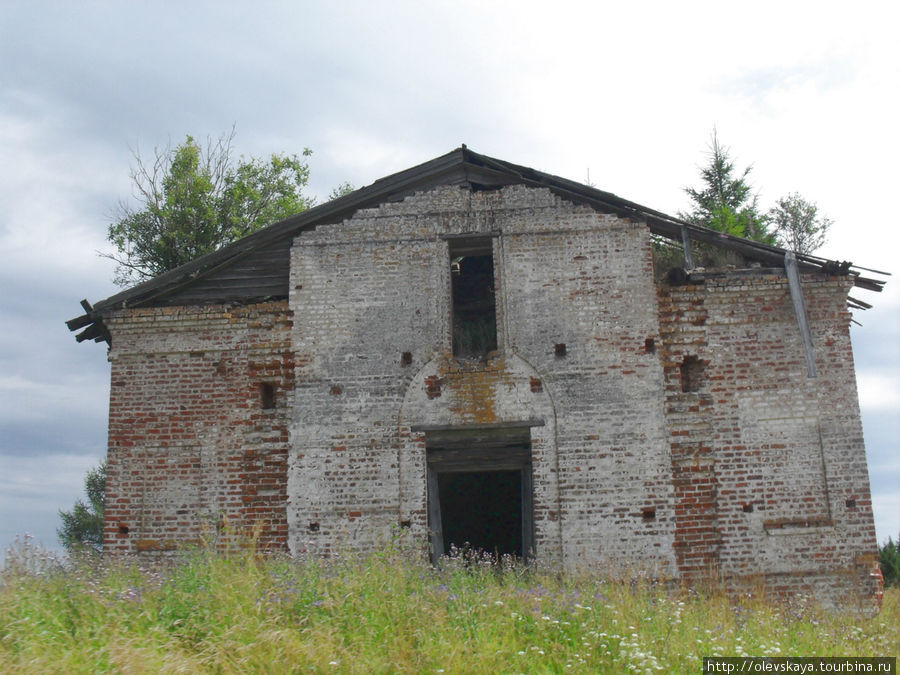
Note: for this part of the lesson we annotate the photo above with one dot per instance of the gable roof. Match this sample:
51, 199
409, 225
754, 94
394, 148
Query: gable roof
256, 266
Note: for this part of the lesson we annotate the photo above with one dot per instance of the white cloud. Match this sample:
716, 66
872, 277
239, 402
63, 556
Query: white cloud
878, 391
54, 186
887, 516
34, 489
30, 401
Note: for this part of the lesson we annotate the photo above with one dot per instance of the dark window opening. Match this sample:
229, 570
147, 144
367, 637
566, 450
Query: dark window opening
559, 350
691, 374
474, 304
267, 396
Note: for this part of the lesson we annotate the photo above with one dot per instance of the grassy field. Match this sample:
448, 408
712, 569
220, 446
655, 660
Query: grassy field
386, 614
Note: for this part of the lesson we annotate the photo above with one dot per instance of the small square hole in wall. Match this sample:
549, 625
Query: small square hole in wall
747, 508
559, 350
406, 358
123, 529
313, 527
850, 503
692, 374
266, 395
650, 346
648, 513
405, 524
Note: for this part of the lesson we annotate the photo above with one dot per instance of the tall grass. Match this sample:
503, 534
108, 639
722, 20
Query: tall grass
387, 613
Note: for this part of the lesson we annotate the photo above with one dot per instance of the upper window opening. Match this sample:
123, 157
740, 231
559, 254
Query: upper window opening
474, 304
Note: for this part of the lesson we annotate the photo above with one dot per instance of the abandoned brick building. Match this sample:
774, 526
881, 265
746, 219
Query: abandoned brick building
475, 351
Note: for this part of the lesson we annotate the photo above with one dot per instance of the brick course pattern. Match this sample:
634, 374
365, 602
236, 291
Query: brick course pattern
192, 453
674, 430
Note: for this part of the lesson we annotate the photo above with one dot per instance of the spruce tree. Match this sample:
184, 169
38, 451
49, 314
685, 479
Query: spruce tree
726, 201
83, 525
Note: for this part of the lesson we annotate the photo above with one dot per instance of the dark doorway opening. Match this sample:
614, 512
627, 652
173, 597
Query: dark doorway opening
482, 510
480, 494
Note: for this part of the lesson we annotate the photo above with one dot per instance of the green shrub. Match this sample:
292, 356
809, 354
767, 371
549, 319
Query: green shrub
890, 562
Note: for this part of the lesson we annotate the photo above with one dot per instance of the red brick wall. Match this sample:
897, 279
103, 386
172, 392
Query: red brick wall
768, 464
192, 452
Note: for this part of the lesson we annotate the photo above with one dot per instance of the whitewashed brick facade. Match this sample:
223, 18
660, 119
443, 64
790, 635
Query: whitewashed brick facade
313, 417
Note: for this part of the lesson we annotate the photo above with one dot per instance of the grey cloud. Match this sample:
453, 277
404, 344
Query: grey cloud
370, 89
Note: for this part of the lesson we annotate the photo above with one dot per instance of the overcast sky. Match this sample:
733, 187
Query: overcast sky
627, 93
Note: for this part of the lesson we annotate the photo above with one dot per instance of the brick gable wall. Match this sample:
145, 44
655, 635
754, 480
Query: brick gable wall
673, 430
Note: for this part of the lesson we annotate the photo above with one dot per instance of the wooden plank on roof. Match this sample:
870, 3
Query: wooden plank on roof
858, 303
256, 274
458, 167
686, 243
96, 332
79, 322
793, 277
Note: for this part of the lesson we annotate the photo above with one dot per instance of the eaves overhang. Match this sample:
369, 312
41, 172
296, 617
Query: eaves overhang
465, 168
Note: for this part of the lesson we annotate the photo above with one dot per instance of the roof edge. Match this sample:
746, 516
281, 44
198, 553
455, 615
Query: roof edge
469, 166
